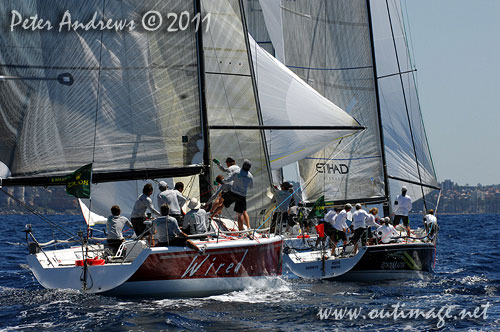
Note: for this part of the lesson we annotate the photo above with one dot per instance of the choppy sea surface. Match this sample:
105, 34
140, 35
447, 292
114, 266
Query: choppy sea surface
462, 295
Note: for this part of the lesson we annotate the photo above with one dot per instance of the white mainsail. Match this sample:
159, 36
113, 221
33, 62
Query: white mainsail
405, 139
133, 98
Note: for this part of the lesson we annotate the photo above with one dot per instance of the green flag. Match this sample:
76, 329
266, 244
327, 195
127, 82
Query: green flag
78, 183
318, 209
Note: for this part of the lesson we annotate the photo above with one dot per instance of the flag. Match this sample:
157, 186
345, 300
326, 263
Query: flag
320, 229
78, 183
318, 209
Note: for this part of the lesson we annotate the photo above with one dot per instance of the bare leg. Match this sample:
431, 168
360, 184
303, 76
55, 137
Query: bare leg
246, 219
218, 210
345, 245
217, 207
240, 221
334, 247
317, 241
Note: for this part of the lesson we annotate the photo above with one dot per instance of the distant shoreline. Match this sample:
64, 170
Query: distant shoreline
43, 213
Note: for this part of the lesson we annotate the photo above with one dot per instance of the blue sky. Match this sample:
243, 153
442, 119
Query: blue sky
456, 45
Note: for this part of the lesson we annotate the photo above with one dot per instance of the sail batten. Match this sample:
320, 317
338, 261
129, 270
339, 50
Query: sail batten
99, 177
430, 186
284, 127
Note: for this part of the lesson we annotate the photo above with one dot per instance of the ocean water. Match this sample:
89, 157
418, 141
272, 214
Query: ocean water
467, 277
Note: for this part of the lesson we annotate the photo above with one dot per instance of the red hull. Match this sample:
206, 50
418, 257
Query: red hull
251, 260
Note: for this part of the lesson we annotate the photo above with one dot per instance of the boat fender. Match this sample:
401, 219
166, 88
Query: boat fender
90, 261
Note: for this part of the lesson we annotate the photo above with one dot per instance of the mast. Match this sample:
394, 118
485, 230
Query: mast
204, 178
406, 103
379, 114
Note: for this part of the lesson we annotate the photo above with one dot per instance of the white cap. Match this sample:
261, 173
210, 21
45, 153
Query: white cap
162, 184
403, 188
358, 206
194, 204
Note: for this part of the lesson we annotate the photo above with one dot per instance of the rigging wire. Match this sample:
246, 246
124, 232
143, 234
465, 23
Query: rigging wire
39, 215
405, 100
411, 56
412, 78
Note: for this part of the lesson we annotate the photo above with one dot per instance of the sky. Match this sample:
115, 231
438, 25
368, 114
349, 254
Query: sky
456, 48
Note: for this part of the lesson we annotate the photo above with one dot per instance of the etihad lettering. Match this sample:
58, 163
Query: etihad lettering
332, 168
215, 267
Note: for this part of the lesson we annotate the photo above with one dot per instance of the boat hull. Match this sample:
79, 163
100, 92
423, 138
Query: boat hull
216, 271
316, 264
170, 271
393, 261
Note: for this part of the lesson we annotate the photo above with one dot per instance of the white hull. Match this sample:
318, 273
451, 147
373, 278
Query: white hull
319, 265
393, 261
99, 278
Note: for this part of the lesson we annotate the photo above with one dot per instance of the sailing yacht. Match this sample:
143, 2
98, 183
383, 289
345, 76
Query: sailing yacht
149, 105
355, 53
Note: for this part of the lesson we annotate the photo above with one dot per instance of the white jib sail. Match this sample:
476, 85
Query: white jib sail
286, 100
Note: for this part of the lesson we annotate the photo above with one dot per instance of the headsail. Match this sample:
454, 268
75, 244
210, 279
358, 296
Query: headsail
288, 102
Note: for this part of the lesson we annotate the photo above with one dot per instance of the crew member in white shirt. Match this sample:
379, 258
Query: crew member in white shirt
341, 227
402, 207
231, 166
328, 222
142, 204
196, 220
114, 228
387, 232
179, 189
430, 223
371, 222
359, 225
